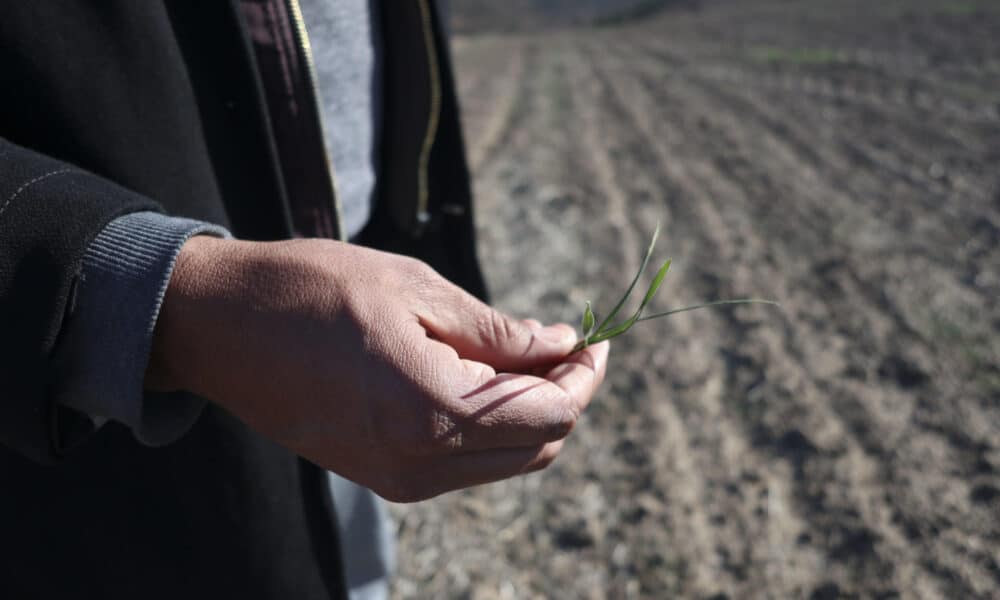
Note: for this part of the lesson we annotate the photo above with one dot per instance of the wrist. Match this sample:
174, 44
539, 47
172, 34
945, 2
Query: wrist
179, 325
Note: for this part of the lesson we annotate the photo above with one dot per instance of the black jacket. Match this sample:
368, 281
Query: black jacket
117, 106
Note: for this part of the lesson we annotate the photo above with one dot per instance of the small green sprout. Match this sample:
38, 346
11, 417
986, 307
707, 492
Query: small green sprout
595, 334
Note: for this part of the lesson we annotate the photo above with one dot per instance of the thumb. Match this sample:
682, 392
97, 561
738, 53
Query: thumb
483, 334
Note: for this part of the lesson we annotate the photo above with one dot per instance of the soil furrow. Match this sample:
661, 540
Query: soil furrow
862, 421
932, 234
704, 409
503, 108
837, 155
670, 452
856, 142
887, 530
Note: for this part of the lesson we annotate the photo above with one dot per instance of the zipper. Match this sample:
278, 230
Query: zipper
305, 48
433, 120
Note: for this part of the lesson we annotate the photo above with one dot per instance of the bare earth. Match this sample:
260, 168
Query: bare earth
842, 157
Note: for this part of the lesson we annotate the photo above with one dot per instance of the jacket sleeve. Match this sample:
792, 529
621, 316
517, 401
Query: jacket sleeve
100, 361
50, 212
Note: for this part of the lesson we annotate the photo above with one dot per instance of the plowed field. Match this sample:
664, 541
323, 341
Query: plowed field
842, 157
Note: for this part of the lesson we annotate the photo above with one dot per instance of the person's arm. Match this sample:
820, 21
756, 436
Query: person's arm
369, 364
103, 349
50, 212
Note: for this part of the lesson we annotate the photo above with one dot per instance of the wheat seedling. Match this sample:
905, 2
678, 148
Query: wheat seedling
594, 333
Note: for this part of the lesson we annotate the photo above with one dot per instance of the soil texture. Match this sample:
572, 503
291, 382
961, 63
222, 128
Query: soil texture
839, 156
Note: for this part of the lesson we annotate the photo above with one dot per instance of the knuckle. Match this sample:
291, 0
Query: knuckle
478, 372
496, 327
549, 455
564, 419
443, 436
422, 278
545, 458
433, 434
420, 271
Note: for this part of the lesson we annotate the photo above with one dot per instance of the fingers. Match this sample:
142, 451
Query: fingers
480, 333
501, 426
511, 411
585, 369
477, 468
466, 470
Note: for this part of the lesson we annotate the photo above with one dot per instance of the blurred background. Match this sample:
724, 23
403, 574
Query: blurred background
840, 156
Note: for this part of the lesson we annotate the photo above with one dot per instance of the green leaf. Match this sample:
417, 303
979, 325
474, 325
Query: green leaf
635, 280
707, 305
624, 327
653, 287
588, 322
635, 318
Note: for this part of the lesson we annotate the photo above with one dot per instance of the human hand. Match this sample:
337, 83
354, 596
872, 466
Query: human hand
369, 364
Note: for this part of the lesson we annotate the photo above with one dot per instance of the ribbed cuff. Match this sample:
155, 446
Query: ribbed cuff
107, 341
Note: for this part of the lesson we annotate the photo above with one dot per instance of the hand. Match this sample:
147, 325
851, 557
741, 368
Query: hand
369, 364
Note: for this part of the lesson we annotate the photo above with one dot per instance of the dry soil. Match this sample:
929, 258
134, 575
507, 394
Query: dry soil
842, 157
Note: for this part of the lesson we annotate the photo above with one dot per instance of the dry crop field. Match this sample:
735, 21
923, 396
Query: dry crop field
841, 156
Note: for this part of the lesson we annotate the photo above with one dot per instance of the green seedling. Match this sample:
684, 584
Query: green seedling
594, 333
